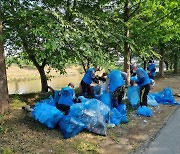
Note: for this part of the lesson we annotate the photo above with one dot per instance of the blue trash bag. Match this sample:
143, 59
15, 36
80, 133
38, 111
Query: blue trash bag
97, 105
115, 117
94, 120
106, 99
70, 126
166, 97
76, 108
92, 104
83, 99
122, 109
56, 95
92, 113
49, 101
144, 111
97, 91
47, 114
152, 100
133, 94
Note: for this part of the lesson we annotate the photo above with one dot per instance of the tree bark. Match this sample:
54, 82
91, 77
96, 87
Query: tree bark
167, 65
83, 65
44, 84
161, 62
175, 63
127, 53
144, 63
4, 97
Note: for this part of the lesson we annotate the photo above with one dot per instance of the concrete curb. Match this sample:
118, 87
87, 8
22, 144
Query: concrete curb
145, 145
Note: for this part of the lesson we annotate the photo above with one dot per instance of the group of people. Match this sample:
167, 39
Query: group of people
115, 82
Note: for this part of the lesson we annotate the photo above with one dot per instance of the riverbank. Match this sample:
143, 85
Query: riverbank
20, 133
14, 73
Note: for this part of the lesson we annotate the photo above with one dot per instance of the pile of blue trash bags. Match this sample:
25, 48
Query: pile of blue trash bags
154, 99
93, 115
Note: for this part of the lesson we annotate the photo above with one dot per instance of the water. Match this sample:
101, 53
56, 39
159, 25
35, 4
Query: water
22, 87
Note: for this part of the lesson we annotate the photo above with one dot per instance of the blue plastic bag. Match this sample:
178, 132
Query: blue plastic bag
49, 101
115, 117
56, 95
165, 97
83, 99
70, 126
97, 91
92, 114
152, 100
47, 114
144, 111
122, 109
98, 106
106, 99
133, 94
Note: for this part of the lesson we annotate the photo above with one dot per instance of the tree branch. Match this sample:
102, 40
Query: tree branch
132, 13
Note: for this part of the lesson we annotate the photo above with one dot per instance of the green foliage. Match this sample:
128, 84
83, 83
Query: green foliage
59, 33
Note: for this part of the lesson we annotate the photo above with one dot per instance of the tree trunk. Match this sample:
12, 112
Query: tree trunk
144, 63
161, 62
171, 65
83, 65
167, 65
127, 53
4, 97
175, 63
44, 84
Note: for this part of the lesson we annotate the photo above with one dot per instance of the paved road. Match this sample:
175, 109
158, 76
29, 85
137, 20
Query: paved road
168, 141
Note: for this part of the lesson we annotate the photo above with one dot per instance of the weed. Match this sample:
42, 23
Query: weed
6, 151
1, 129
84, 147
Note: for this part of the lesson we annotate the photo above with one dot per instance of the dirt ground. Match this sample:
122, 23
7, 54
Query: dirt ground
20, 133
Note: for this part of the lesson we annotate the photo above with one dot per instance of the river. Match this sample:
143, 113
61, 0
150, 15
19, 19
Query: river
30, 86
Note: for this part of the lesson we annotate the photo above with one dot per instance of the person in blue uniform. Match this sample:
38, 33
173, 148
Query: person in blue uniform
151, 69
143, 81
67, 95
86, 81
116, 82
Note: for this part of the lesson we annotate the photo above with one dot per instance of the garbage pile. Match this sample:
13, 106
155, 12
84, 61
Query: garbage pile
95, 115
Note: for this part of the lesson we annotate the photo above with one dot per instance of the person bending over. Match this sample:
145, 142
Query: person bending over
116, 86
86, 81
67, 95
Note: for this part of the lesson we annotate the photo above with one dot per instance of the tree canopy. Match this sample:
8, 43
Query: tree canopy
91, 32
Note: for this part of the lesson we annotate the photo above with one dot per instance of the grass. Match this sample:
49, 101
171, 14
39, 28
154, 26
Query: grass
6, 151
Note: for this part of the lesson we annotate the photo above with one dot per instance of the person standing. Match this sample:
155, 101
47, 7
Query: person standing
151, 69
143, 82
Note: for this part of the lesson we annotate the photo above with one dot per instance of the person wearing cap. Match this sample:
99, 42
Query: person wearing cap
116, 82
143, 81
151, 69
67, 94
86, 81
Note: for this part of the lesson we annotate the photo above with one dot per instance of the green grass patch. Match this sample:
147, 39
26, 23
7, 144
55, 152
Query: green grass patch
84, 147
6, 151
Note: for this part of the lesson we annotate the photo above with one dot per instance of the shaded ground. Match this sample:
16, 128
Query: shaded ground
20, 133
